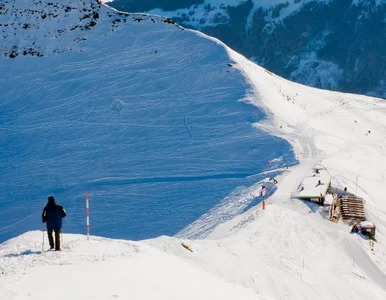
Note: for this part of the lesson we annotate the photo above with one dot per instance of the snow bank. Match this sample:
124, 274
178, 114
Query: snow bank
104, 269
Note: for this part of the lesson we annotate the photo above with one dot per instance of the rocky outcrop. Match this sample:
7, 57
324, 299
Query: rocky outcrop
41, 28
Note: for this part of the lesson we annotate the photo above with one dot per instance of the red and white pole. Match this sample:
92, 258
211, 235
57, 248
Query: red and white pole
87, 217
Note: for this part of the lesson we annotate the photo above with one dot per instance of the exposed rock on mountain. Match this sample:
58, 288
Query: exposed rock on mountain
331, 44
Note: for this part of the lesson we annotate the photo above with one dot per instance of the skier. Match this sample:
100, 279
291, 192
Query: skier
263, 191
53, 213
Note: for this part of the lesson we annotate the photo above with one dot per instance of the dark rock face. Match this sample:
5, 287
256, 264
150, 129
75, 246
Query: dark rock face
338, 45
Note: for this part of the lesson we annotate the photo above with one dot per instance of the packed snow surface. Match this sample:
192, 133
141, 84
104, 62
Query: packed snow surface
287, 251
105, 269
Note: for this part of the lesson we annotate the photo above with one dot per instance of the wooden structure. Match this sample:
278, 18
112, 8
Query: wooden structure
352, 209
186, 246
335, 209
315, 186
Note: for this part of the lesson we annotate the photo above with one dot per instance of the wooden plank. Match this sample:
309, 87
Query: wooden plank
351, 200
352, 215
353, 208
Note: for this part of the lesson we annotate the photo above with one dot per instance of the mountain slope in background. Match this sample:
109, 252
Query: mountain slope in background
150, 118
331, 44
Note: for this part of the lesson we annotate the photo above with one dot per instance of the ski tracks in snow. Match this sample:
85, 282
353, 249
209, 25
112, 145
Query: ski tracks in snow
231, 206
364, 262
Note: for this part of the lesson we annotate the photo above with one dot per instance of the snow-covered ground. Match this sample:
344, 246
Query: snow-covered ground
105, 269
287, 251
147, 116
290, 250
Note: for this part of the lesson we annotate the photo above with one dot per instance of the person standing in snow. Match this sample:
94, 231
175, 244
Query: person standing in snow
53, 213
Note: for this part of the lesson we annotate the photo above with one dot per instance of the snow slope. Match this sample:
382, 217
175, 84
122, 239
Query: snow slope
288, 251
104, 269
147, 116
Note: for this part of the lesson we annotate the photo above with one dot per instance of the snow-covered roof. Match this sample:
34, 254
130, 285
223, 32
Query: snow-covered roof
367, 224
314, 185
329, 199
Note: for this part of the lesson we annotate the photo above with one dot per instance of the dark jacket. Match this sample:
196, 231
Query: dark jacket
53, 214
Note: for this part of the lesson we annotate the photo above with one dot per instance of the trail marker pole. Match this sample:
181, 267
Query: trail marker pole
43, 239
87, 217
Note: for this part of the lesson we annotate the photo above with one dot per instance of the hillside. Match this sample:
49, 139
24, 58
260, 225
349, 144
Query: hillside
331, 44
147, 116
61, 132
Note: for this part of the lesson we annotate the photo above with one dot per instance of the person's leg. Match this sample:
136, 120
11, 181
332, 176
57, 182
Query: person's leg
50, 238
57, 239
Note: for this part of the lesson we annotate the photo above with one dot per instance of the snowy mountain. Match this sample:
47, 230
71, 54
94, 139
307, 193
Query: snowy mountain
145, 108
94, 99
331, 44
